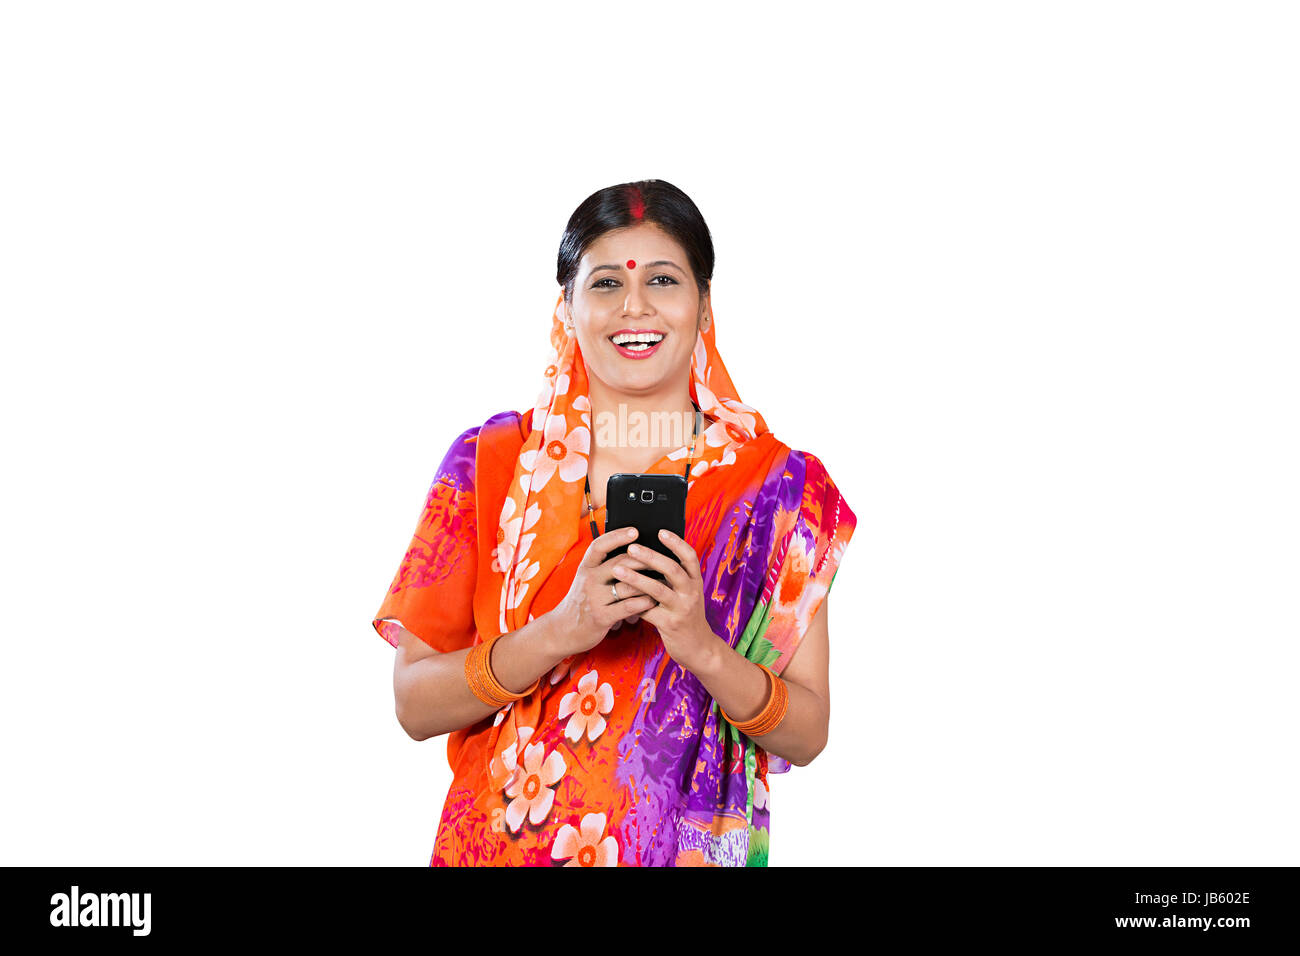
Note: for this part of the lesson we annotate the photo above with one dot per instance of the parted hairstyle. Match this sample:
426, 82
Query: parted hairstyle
616, 207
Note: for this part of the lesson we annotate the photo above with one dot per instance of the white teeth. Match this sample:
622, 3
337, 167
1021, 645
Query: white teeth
626, 338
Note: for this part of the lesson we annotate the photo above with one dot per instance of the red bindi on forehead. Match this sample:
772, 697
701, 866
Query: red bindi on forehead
631, 263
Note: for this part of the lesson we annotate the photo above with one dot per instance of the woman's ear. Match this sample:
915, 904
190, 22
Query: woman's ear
706, 314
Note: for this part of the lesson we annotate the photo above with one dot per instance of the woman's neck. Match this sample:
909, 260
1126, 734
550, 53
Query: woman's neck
617, 413
603, 398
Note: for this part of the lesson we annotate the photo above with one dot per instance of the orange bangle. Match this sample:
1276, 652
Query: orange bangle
483, 683
773, 711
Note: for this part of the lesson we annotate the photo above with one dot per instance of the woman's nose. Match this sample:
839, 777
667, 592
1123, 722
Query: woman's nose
635, 299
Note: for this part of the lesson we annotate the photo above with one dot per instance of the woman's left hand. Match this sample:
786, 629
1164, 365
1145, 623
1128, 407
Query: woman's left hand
679, 618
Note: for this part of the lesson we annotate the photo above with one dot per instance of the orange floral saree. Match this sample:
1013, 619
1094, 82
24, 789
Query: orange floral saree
620, 756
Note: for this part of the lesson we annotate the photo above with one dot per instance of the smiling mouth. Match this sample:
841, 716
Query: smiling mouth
636, 344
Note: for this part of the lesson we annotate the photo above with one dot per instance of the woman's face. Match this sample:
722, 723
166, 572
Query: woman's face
657, 294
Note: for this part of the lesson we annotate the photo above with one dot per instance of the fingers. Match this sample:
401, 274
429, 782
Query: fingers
674, 574
619, 612
605, 571
645, 603
600, 547
689, 560
633, 618
646, 585
626, 589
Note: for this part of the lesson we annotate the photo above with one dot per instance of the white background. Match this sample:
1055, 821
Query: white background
1023, 275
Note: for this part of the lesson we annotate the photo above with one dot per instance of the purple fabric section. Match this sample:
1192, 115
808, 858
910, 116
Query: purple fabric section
682, 769
789, 498
459, 461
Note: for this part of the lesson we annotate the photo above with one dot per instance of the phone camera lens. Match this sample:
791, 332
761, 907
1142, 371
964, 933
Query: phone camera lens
647, 495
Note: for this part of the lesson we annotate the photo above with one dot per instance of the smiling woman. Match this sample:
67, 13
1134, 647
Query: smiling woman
598, 716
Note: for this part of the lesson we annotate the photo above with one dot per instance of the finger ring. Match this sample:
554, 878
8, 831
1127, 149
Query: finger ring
614, 587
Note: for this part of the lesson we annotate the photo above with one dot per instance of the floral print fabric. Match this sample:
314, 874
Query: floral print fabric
620, 757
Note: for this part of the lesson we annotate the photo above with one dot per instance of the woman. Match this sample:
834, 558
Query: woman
596, 716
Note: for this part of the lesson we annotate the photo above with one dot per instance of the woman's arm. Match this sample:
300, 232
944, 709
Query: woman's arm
741, 688
432, 695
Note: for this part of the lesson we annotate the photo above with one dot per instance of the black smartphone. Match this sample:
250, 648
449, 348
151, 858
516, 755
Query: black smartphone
647, 503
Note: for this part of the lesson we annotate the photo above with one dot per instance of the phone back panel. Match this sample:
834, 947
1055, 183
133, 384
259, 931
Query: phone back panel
648, 503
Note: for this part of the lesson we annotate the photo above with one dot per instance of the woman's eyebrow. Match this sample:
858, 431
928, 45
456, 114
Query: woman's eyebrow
648, 265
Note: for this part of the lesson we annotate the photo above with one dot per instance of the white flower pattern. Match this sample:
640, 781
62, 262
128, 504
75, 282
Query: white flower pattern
583, 846
532, 786
586, 707
561, 453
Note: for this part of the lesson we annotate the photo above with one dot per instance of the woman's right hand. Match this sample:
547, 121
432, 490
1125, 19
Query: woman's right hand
589, 610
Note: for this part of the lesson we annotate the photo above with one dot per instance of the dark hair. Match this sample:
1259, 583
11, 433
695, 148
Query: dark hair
616, 207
